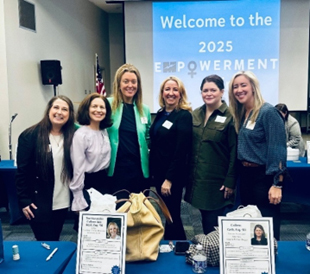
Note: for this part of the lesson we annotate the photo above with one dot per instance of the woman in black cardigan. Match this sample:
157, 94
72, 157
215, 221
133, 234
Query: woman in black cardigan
171, 135
44, 169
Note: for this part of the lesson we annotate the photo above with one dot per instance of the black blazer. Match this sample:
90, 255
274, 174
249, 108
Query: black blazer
32, 186
170, 147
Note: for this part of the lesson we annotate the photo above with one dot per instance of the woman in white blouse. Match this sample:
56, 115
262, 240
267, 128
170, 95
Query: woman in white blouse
90, 150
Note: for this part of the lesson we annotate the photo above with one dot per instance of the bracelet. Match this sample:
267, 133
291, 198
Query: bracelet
277, 186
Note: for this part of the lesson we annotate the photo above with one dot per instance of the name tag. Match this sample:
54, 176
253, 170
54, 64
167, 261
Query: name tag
167, 124
143, 120
250, 125
220, 119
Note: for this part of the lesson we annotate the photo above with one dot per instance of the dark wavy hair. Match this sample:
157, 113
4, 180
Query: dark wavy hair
83, 111
44, 128
260, 227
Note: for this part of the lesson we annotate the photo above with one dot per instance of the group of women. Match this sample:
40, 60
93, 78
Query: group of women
115, 147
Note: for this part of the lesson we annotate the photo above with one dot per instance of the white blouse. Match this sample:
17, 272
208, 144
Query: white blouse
61, 196
90, 152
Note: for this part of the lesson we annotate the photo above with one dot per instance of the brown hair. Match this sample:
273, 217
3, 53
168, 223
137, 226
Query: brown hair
44, 128
283, 108
83, 111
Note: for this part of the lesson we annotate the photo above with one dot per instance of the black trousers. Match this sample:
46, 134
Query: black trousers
129, 177
210, 219
51, 230
254, 188
97, 180
174, 231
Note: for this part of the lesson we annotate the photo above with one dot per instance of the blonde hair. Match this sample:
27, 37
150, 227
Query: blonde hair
237, 109
115, 225
117, 94
183, 102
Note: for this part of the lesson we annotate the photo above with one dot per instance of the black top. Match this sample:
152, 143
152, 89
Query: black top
170, 146
128, 148
160, 119
263, 241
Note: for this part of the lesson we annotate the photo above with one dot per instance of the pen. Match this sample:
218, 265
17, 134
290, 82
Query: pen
51, 255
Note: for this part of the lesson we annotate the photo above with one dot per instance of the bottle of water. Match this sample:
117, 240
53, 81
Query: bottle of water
199, 260
308, 241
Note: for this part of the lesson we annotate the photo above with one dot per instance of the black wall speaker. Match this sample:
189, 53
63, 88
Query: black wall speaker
51, 72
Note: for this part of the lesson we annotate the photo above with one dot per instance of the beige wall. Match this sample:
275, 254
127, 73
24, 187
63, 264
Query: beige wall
66, 30
116, 31
4, 100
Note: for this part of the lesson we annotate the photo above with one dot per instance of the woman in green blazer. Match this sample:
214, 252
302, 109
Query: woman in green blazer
129, 134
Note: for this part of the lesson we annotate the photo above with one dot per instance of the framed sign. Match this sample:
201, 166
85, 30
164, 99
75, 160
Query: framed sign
101, 246
246, 246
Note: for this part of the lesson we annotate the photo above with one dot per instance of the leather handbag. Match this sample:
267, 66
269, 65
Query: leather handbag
144, 226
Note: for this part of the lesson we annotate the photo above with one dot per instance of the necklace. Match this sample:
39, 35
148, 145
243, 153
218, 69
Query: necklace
57, 138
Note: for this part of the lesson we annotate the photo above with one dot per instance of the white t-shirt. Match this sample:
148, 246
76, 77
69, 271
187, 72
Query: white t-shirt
61, 196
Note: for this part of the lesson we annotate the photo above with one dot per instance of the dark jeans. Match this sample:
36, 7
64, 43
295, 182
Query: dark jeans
210, 219
51, 230
254, 188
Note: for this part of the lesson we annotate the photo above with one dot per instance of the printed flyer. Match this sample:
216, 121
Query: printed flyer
246, 246
101, 246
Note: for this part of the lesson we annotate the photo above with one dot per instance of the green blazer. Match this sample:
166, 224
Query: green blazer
143, 124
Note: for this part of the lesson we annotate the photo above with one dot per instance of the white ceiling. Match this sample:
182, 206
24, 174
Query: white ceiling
109, 8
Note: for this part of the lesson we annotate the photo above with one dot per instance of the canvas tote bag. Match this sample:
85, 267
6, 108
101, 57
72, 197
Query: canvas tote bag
144, 226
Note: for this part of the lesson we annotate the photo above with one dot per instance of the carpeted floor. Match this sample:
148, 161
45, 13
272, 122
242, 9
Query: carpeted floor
294, 227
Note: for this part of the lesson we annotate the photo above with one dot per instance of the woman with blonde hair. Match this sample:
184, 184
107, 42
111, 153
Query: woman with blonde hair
113, 231
129, 134
261, 146
171, 134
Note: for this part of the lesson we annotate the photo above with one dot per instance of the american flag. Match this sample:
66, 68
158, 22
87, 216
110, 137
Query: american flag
100, 88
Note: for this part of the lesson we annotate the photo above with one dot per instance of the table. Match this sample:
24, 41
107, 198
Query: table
7, 174
297, 190
293, 258
33, 257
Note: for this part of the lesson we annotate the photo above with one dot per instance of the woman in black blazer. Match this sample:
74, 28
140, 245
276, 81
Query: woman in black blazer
44, 169
171, 135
